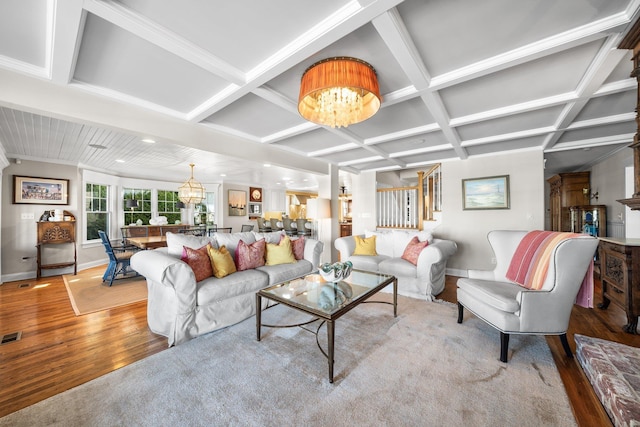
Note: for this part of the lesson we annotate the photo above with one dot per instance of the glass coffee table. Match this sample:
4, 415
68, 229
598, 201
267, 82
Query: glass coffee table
326, 301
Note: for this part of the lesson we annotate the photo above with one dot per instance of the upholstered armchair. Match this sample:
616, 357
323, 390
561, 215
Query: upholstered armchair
514, 309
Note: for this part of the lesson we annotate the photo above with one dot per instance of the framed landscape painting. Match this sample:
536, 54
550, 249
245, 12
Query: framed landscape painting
40, 191
491, 192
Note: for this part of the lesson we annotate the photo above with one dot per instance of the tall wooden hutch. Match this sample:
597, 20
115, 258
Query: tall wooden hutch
566, 190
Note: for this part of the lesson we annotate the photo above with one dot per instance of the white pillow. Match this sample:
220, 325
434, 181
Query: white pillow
401, 239
384, 241
231, 240
269, 237
175, 242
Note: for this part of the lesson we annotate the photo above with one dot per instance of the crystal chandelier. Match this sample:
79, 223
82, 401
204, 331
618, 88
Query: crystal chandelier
339, 92
191, 191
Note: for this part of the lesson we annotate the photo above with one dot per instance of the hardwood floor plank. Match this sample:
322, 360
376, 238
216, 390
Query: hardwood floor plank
59, 350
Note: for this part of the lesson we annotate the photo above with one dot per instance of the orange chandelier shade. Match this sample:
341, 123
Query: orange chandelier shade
339, 92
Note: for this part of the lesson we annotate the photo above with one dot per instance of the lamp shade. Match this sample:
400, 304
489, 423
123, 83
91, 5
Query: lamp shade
191, 191
131, 203
338, 92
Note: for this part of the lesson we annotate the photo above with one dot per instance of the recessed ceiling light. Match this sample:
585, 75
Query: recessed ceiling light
223, 174
149, 141
119, 161
98, 146
267, 165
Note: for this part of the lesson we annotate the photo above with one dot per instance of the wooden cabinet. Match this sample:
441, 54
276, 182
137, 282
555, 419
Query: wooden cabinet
566, 190
345, 229
589, 219
620, 275
56, 233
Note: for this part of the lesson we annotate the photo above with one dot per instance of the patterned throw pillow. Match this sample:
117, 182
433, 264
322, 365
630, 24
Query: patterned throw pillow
281, 253
221, 262
198, 260
413, 249
250, 255
298, 248
365, 246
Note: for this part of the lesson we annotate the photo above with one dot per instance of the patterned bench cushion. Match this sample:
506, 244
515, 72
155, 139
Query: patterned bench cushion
614, 372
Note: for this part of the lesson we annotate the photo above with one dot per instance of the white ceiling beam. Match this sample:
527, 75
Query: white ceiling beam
601, 67
63, 38
394, 33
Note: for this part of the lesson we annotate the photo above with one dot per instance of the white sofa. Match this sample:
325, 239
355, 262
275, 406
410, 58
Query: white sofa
424, 280
181, 308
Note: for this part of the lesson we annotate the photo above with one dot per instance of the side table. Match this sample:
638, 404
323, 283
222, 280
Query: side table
620, 273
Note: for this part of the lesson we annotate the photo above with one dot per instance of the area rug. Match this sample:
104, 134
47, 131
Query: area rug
88, 294
419, 369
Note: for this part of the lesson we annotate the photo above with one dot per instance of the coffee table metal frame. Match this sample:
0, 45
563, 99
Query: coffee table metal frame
328, 317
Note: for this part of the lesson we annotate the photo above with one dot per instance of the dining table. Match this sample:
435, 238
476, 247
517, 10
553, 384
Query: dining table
148, 242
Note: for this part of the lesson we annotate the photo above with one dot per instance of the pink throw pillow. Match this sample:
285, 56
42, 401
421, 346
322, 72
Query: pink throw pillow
298, 248
250, 256
413, 249
198, 260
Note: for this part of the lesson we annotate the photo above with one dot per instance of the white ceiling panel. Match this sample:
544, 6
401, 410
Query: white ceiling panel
534, 80
624, 128
247, 115
514, 123
23, 30
609, 105
451, 34
113, 59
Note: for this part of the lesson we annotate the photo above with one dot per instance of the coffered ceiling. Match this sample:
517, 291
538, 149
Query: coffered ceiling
216, 83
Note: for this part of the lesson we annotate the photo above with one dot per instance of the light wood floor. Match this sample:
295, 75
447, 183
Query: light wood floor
59, 351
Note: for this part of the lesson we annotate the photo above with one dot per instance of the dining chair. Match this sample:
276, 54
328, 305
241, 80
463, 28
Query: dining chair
246, 227
301, 225
276, 224
263, 225
119, 261
288, 227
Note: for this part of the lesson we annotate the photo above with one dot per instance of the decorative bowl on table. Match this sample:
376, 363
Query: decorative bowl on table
336, 271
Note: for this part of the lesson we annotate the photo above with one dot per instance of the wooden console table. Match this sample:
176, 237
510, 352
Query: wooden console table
620, 274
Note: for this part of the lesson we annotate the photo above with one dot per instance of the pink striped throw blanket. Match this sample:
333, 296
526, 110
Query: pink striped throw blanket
530, 263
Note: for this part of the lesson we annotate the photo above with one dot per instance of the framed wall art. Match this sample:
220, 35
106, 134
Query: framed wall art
255, 194
491, 192
40, 191
237, 203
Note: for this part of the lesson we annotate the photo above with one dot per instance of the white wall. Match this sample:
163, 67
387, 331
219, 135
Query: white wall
607, 178
632, 221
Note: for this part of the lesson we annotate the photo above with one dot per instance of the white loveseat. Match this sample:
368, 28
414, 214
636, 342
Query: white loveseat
423, 280
181, 308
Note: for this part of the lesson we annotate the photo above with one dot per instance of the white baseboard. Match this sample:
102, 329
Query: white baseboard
457, 272
28, 275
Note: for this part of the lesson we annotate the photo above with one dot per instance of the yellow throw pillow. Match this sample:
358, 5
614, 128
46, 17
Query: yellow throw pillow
282, 253
365, 245
221, 262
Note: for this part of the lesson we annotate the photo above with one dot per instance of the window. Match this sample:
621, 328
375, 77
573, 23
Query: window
167, 201
143, 211
96, 209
